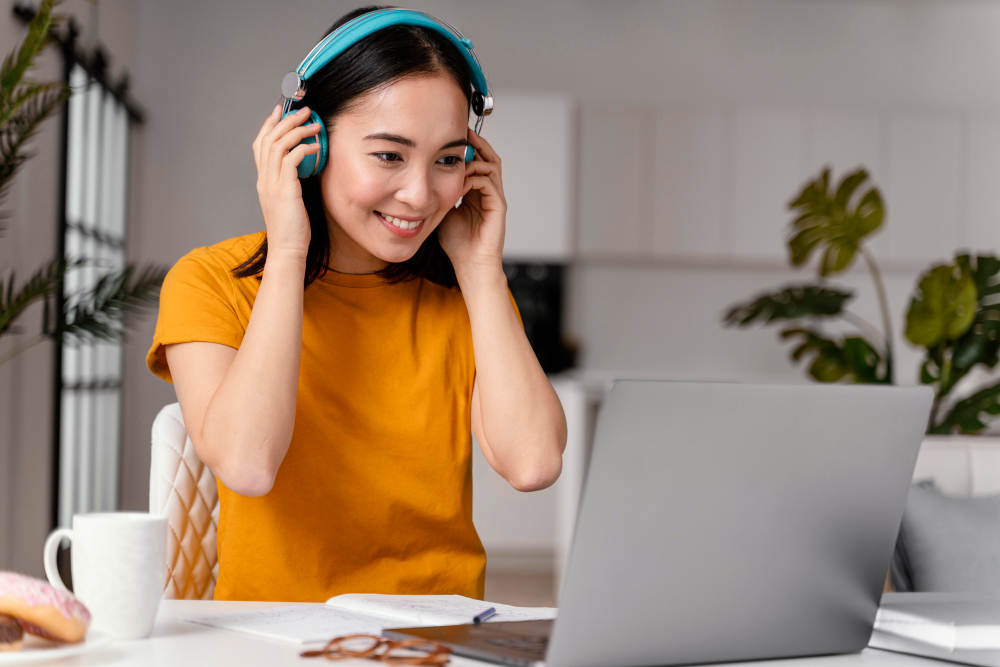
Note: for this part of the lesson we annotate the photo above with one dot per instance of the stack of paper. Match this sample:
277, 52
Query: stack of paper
363, 614
960, 627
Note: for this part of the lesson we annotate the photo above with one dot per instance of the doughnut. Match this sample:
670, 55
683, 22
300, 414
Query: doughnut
11, 634
42, 609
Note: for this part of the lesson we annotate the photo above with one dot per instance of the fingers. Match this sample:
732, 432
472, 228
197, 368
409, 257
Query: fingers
487, 169
481, 183
273, 130
290, 163
483, 148
280, 148
267, 157
269, 122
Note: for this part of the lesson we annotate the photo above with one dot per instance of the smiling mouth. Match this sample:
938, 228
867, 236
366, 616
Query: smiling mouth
396, 222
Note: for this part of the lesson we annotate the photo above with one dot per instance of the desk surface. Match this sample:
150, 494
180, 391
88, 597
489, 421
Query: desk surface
175, 643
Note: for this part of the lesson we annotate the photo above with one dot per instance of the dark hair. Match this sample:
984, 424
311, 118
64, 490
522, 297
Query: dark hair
377, 60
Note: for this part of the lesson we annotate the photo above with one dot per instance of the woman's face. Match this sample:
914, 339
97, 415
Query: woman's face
399, 153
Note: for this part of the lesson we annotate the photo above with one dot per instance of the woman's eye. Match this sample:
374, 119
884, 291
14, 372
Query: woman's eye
450, 160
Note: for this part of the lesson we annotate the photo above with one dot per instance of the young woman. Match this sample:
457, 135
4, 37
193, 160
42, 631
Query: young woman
330, 369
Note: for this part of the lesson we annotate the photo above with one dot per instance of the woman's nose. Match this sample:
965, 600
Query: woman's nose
417, 191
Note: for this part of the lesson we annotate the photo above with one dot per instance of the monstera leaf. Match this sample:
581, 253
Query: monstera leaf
944, 306
981, 343
831, 220
852, 358
789, 303
949, 360
968, 415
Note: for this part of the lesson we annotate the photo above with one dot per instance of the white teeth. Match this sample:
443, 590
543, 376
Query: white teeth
402, 224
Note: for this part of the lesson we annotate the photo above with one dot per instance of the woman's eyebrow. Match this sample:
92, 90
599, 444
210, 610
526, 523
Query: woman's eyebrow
409, 143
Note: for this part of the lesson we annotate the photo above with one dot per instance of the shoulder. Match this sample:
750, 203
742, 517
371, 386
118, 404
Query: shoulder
225, 255
212, 265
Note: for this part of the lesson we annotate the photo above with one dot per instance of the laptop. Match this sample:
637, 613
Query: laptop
722, 522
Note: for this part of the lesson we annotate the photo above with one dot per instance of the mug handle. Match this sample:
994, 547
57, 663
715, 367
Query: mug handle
49, 556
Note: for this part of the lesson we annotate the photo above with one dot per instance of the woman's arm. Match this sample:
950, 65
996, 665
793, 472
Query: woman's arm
239, 405
516, 415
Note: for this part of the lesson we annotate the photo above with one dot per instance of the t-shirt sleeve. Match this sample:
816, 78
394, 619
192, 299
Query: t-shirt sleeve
517, 311
197, 303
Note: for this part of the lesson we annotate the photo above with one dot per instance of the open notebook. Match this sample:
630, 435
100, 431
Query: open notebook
363, 614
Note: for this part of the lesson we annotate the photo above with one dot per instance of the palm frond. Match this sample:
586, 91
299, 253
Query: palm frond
105, 311
24, 93
39, 35
44, 283
20, 128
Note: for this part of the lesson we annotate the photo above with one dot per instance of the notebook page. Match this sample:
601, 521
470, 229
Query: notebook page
302, 624
436, 609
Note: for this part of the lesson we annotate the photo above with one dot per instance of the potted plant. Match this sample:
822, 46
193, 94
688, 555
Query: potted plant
102, 311
954, 313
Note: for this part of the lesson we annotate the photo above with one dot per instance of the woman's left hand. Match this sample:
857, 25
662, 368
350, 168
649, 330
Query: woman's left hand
473, 233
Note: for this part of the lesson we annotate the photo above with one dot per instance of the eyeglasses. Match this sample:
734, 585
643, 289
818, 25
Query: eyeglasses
405, 652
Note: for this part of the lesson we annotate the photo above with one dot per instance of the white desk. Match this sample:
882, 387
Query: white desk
178, 644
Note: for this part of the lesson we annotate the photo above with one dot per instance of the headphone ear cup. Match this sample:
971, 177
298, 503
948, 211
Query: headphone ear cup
313, 163
470, 153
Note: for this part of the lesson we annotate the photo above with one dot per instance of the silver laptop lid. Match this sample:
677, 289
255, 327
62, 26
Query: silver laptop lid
726, 522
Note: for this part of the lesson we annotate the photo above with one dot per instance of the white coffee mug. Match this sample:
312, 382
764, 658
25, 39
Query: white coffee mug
118, 561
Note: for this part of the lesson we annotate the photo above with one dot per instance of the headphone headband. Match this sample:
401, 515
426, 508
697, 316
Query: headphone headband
360, 27
293, 86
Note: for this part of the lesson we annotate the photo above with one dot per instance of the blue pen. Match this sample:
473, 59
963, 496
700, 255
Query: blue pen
483, 616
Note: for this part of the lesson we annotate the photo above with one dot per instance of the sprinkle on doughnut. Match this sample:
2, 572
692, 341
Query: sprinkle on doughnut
42, 609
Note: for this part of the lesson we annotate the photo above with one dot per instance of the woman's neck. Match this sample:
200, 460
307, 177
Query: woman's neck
346, 256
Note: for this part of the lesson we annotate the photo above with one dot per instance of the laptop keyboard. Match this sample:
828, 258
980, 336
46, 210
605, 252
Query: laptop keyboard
532, 645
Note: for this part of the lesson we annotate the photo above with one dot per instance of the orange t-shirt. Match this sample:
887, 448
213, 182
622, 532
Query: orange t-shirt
375, 492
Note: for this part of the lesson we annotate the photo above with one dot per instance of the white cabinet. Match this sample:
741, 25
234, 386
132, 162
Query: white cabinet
616, 183
769, 169
924, 191
713, 184
983, 185
689, 203
534, 135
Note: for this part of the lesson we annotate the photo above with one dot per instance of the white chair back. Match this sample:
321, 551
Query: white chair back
183, 489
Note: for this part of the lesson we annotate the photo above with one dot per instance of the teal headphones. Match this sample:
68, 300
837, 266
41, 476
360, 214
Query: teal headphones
293, 86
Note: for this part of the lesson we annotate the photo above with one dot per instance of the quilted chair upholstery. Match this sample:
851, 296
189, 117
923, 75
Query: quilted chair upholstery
183, 488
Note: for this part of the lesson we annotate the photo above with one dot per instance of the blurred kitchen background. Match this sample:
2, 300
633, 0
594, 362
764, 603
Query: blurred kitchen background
649, 149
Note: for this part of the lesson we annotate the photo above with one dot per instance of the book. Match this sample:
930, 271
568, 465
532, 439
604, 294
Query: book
363, 614
952, 621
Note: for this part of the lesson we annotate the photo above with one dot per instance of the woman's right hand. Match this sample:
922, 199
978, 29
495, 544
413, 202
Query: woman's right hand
277, 155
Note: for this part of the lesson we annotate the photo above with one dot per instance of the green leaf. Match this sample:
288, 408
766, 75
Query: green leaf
105, 311
853, 358
25, 104
831, 222
789, 303
944, 306
967, 416
862, 360
45, 282
981, 343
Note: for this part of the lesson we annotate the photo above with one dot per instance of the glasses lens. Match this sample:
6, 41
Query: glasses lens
416, 652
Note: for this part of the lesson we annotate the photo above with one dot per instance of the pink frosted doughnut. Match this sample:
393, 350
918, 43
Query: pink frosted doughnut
42, 609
